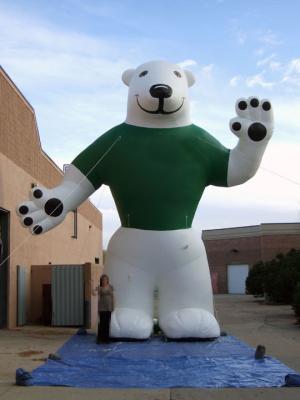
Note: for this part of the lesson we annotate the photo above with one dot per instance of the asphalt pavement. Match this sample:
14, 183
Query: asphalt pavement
243, 316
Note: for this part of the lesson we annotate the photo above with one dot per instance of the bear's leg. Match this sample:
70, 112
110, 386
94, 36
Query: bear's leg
133, 290
186, 307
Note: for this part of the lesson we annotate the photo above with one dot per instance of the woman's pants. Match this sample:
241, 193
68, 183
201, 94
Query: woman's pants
103, 326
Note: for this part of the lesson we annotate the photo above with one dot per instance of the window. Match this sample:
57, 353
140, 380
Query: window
75, 225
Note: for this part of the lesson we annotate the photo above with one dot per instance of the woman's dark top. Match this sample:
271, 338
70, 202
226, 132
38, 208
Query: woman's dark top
105, 298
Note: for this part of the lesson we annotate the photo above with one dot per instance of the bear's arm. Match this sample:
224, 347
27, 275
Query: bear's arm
216, 159
93, 162
219, 167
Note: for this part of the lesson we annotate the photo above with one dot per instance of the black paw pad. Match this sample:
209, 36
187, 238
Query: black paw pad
266, 106
28, 221
38, 194
236, 126
37, 230
254, 102
23, 210
257, 132
242, 105
53, 207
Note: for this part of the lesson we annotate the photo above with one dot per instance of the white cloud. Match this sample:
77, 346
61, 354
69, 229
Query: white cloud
207, 70
286, 75
204, 76
266, 60
241, 37
235, 80
31, 50
96, 9
275, 65
294, 66
259, 80
238, 32
104, 201
291, 74
287, 121
187, 63
259, 52
269, 38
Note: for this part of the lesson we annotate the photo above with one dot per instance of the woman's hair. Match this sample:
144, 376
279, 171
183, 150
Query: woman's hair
102, 277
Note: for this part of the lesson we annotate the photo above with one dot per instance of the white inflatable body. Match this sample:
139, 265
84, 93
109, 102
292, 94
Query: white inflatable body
175, 262
139, 260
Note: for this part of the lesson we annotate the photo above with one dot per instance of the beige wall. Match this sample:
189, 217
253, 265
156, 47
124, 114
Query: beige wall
22, 162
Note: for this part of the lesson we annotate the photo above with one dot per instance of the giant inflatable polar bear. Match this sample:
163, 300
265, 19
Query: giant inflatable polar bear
157, 165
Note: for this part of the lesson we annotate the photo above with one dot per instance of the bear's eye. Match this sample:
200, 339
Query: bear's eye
143, 73
178, 74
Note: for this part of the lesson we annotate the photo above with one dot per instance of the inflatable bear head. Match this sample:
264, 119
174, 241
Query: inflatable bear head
158, 95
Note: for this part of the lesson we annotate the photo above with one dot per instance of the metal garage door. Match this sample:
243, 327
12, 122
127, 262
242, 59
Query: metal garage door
68, 295
21, 285
237, 275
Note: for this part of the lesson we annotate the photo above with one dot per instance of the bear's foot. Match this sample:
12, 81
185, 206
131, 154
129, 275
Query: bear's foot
190, 323
130, 324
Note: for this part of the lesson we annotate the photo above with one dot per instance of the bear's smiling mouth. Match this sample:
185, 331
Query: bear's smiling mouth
160, 109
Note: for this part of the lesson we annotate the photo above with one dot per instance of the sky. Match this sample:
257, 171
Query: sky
67, 58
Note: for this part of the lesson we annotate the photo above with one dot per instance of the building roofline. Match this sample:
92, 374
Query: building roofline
27, 103
16, 89
21, 95
285, 228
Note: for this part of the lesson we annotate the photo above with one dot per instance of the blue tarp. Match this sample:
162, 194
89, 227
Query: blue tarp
225, 362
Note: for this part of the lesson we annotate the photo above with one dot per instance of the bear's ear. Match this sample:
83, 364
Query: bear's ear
190, 77
127, 75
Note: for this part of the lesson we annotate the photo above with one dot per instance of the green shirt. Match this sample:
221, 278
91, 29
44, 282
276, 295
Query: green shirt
156, 176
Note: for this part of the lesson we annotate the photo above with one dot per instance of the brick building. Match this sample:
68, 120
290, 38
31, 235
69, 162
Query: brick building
24, 164
231, 252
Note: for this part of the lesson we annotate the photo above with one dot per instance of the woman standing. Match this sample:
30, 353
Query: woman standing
105, 308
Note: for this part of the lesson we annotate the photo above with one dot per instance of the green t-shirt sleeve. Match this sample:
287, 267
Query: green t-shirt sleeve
93, 162
217, 160
219, 166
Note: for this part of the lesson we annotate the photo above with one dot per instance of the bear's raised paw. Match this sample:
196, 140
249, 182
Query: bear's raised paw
254, 119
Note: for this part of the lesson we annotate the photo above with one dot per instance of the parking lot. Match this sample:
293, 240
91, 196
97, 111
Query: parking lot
243, 316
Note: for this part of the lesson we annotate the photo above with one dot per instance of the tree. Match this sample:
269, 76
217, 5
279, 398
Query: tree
296, 304
255, 280
282, 276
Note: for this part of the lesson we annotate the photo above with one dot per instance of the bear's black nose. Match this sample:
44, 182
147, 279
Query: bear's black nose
161, 91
